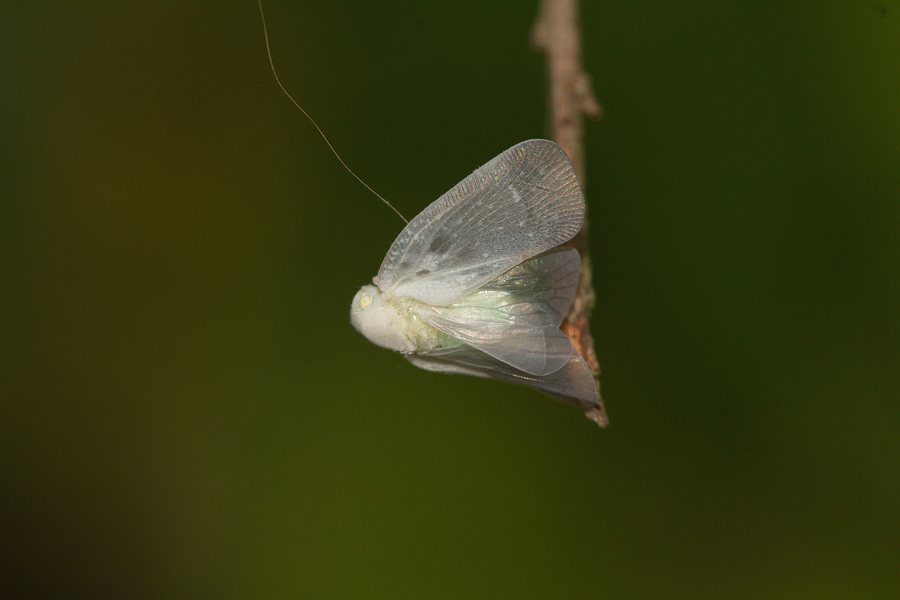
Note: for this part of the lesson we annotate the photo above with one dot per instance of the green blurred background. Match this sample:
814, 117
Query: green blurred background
187, 413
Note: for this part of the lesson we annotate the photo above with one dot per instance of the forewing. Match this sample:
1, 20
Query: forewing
529, 340
520, 204
572, 384
548, 281
515, 318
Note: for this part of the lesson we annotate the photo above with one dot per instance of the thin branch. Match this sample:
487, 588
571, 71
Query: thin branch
557, 32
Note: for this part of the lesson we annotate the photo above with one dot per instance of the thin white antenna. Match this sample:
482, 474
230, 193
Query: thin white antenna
311, 120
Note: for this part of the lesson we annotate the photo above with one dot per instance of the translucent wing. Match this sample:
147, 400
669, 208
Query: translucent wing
515, 318
572, 384
549, 279
523, 202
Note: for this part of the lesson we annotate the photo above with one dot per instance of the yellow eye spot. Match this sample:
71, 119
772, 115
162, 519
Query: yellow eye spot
365, 301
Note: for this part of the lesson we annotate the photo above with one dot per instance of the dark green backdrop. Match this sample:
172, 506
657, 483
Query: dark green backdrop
187, 413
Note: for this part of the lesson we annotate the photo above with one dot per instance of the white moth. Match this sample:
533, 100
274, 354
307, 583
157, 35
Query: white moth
476, 284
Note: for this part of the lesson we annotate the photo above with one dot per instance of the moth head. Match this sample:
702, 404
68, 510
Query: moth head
379, 320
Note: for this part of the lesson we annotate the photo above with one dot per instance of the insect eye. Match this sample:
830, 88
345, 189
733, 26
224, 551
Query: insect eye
365, 301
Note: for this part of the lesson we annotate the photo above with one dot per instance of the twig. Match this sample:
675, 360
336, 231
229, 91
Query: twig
556, 32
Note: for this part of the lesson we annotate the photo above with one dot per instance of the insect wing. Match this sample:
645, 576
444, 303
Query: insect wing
520, 204
572, 384
549, 279
515, 318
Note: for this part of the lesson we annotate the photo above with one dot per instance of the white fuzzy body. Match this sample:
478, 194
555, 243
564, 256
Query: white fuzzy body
392, 322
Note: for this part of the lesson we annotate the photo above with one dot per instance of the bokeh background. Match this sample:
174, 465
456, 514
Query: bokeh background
185, 411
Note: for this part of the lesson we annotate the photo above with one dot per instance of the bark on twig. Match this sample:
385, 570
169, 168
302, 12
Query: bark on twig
557, 33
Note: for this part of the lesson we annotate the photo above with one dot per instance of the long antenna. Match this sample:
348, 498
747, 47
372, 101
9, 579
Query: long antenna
311, 120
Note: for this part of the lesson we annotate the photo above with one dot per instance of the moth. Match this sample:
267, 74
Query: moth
477, 283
